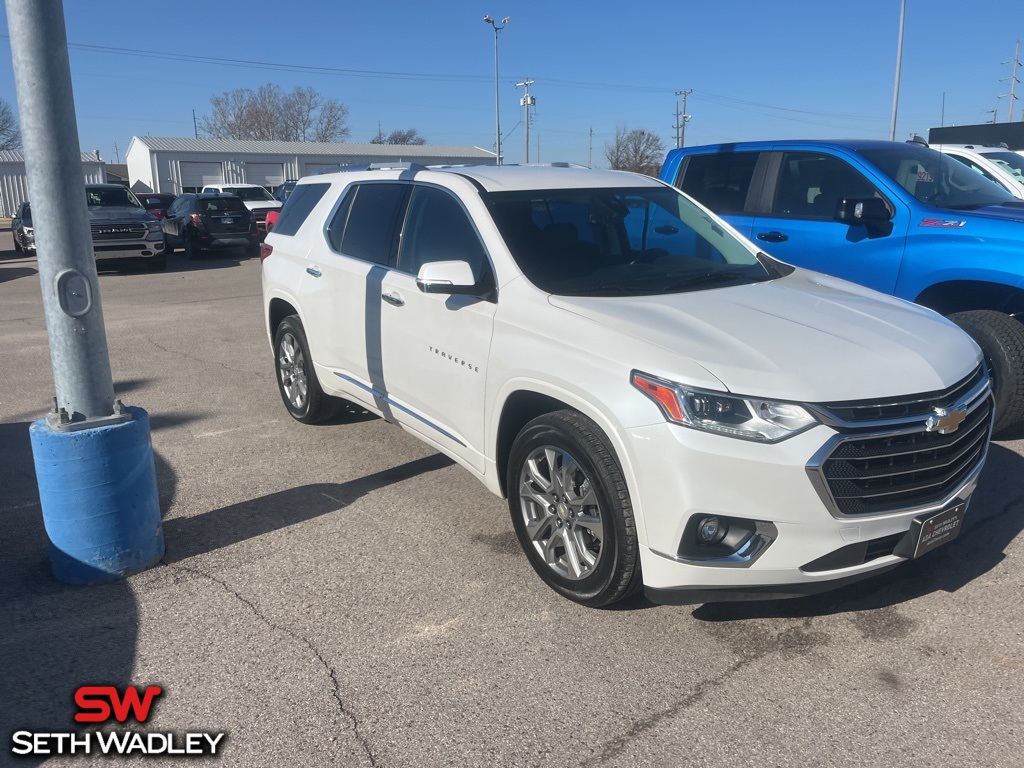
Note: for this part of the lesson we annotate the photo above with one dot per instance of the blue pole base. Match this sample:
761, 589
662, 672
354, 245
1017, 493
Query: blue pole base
100, 505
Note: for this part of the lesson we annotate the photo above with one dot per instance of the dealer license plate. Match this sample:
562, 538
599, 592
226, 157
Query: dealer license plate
228, 221
933, 531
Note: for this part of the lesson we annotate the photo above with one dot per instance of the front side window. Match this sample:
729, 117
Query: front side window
811, 184
936, 179
721, 181
438, 229
621, 241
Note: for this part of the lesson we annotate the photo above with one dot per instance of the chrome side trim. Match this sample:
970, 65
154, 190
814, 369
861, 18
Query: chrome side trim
377, 394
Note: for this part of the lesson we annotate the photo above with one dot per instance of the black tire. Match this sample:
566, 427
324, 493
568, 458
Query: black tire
168, 246
615, 574
191, 246
1001, 339
17, 245
296, 379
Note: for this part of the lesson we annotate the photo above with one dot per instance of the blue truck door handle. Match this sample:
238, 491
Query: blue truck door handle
772, 237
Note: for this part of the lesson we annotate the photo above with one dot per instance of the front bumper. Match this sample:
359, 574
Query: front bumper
134, 249
683, 473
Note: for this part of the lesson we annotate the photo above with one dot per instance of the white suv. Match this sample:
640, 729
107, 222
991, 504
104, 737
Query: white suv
998, 164
661, 403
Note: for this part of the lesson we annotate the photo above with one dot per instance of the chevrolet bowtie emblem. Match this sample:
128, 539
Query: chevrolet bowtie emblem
944, 421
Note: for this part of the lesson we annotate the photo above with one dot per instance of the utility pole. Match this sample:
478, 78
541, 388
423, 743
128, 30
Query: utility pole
590, 148
93, 457
527, 101
1013, 80
682, 118
195, 125
117, 155
899, 64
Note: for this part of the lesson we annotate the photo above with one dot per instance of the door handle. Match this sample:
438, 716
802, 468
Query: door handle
393, 299
313, 271
772, 237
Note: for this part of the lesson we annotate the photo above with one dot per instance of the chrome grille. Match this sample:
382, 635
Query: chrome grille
134, 231
869, 471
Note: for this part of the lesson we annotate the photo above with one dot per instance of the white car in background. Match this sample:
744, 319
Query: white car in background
996, 163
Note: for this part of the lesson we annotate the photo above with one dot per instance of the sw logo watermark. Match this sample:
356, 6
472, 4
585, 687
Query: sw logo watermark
99, 704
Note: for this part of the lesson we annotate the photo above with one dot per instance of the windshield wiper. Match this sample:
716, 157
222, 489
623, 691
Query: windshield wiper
604, 289
707, 278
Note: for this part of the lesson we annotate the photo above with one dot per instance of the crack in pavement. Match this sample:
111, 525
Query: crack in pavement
336, 686
193, 358
793, 638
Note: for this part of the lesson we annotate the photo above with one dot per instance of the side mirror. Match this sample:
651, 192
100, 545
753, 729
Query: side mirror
449, 277
869, 212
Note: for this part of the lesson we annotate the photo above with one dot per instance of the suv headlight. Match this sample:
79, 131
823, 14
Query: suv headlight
749, 418
153, 226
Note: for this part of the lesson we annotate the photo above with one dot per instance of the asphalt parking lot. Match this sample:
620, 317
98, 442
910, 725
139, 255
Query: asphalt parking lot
340, 595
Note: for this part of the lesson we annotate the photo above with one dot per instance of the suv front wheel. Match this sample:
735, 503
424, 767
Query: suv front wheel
296, 379
571, 510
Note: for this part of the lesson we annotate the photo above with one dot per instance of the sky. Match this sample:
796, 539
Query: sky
757, 70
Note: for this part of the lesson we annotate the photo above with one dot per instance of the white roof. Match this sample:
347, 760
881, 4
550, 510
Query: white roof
220, 146
519, 177
16, 156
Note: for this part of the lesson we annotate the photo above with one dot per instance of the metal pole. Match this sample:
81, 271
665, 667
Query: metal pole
1013, 80
497, 102
686, 117
899, 64
53, 160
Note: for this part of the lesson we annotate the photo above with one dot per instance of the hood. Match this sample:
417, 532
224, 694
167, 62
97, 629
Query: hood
1014, 211
259, 205
805, 337
118, 213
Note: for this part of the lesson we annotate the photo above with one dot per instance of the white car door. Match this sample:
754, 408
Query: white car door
434, 347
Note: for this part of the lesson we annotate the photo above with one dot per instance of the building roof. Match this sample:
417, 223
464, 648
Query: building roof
16, 156
220, 146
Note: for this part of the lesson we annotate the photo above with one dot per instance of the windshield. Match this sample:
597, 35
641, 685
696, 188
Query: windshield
111, 196
1010, 162
614, 242
248, 193
936, 179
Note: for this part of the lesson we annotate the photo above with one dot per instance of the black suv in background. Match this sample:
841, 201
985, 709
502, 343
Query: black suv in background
21, 229
210, 221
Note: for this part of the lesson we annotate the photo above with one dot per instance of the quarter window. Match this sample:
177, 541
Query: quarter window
437, 229
295, 211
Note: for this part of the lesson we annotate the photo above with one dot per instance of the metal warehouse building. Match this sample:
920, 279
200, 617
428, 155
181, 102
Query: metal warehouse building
14, 181
186, 165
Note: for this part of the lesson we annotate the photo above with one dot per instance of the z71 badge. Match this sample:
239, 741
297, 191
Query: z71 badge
943, 223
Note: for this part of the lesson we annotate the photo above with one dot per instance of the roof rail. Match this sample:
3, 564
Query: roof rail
381, 166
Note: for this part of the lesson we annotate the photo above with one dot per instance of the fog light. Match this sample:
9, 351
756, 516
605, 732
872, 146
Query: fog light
711, 530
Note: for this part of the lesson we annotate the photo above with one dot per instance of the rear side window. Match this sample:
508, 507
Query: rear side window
370, 228
720, 181
296, 210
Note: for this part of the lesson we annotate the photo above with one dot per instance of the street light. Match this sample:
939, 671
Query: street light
497, 119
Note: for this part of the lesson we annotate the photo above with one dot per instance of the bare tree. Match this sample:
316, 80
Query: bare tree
10, 134
269, 114
409, 136
638, 150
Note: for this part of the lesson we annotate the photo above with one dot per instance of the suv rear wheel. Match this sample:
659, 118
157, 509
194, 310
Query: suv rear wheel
571, 510
296, 379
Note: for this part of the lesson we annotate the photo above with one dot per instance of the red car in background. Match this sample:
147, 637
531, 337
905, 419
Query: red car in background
156, 203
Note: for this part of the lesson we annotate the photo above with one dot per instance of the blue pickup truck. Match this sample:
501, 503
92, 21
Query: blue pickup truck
903, 219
